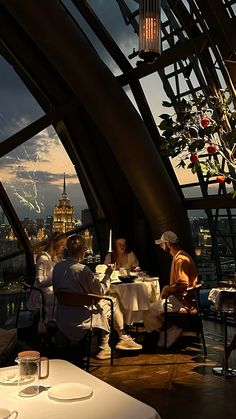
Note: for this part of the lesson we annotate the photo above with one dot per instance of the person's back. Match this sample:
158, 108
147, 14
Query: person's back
185, 267
45, 263
72, 276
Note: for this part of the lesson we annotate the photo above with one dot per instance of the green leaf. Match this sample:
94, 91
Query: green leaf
201, 132
230, 136
166, 104
209, 130
179, 127
181, 164
190, 165
204, 167
164, 116
168, 133
193, 132
196, 167
163, 125
228, 100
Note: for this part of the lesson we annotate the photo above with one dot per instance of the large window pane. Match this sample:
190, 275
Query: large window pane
203, 248
33, 176
18, 106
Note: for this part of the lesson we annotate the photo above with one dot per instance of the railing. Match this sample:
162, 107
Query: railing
10, 302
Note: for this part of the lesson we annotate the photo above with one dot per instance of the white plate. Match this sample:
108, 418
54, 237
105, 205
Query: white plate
70, 391
10, 377
133, 274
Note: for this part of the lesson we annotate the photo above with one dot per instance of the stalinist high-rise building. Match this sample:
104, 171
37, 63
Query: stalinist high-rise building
64, 214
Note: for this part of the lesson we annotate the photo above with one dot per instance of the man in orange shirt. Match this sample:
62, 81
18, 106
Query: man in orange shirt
183, 274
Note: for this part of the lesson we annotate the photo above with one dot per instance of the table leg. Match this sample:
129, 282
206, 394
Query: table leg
225, 370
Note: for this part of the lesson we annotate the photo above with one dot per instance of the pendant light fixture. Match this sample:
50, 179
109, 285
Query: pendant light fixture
149, 29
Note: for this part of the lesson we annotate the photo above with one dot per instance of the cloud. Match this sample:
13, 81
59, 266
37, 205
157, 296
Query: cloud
46, 177
38, 199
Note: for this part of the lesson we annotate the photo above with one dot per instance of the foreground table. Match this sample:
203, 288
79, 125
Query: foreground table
106, 401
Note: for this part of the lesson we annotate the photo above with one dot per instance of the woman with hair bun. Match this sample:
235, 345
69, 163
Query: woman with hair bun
45, 263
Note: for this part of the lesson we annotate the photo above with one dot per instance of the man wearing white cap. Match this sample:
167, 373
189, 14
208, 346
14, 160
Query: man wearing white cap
183, 274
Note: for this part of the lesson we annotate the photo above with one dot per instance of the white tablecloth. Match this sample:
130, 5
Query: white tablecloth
136, 297
214, 294
106, 402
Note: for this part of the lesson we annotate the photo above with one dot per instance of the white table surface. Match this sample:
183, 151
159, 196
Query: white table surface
106, 402
214, 293
136, 297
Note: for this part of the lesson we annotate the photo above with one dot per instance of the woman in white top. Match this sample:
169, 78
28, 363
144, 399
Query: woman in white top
45, 263
122, 257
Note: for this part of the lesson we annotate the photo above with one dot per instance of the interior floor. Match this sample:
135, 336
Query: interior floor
178, 383
181, 382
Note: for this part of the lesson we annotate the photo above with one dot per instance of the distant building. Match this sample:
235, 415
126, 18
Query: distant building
2, 218
88, 238
49, 224
10, 235
64, 214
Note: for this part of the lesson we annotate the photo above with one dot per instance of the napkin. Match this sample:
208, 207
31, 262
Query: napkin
100, 269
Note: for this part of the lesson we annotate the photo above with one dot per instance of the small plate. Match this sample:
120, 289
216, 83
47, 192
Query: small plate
133, 274
70, 391
10, 377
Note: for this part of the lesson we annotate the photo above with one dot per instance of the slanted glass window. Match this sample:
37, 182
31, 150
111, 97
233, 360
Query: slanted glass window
33, 177
18, 106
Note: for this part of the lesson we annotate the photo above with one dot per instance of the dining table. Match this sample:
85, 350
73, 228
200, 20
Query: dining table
135, 297
70, 392
224, 302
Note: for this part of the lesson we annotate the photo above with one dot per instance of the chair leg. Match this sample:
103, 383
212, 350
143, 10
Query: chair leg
112, 332
89, 350
165, 324
203, 338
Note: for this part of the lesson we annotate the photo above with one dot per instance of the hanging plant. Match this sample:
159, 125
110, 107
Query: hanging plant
202, 130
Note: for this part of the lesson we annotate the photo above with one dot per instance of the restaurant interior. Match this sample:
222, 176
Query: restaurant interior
136, 100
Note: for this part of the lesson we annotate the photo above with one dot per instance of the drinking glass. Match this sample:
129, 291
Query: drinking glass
29, 363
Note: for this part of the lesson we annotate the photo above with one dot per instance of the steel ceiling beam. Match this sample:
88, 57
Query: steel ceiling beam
167, 58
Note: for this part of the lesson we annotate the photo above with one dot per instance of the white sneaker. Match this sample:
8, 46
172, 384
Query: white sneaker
172, 335
105, 353
126, 343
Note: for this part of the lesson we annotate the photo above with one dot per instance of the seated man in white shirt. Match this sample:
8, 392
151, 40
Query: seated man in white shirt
72, 276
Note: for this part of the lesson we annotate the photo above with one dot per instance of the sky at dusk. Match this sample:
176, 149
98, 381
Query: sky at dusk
32, 174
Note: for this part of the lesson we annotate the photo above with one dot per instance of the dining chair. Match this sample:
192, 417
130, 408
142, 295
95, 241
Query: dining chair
190, 320
34, 319
87, 299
